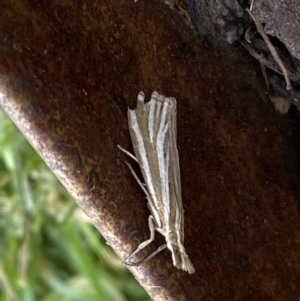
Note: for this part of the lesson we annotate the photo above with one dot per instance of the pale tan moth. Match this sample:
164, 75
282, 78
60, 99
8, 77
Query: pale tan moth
153, 132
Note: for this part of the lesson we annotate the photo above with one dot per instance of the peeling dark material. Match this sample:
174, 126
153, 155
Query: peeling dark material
258, 49
221, 19
226, 20
279, 85
282, 20
66, 81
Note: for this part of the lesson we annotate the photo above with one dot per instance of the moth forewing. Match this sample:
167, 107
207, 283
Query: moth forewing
153, 130
175, 237
141, 154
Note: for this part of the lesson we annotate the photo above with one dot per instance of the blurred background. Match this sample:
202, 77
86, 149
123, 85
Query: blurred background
48, 248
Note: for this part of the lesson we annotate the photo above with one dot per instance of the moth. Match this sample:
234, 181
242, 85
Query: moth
153, 132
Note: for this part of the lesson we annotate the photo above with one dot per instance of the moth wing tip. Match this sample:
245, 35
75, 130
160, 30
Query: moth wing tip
141, 96
188, 266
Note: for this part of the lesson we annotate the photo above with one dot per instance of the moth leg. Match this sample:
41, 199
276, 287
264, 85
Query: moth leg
131, 169
137, 178
162, 247
143, 244
151, 206
127, 153
151, 220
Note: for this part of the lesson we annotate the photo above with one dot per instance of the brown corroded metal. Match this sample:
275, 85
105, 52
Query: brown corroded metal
68, 70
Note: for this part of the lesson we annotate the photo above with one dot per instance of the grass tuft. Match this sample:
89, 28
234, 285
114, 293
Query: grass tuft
47, 251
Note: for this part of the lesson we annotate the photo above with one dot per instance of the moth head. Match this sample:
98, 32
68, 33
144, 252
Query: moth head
179, 256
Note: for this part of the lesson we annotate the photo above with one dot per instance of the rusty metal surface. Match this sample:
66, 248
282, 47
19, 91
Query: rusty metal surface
68, 70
